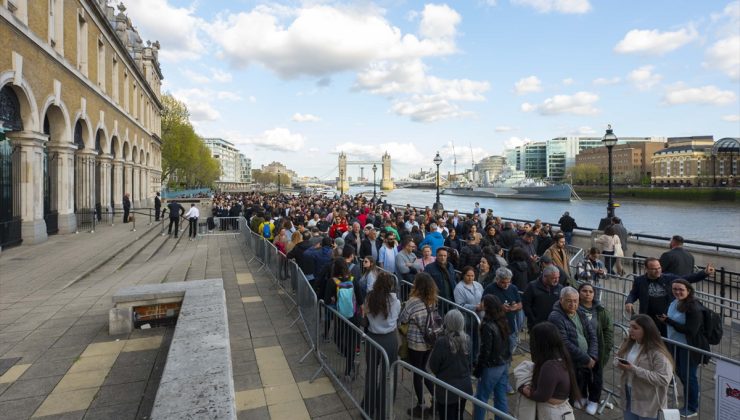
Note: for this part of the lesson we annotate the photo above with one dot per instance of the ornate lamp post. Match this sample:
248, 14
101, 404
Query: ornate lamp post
609, 141
278, 181
375, 168
437, 161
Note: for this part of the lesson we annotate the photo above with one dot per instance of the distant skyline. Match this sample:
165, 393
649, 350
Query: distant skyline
299, 81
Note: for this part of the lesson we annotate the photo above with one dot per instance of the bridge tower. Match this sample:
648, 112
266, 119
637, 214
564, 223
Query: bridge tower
342, 184
386, 183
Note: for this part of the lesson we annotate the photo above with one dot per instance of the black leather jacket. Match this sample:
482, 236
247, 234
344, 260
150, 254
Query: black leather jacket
494, 346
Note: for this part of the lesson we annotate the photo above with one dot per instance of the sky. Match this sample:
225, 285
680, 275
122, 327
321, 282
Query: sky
299, 81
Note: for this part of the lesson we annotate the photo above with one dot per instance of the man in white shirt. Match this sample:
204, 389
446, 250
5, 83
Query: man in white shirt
192, 215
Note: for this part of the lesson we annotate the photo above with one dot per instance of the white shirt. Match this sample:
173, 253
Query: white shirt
192, 212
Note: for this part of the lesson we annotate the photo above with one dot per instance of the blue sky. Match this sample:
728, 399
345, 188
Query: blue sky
299, 81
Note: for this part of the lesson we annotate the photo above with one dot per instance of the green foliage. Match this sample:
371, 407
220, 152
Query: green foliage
584, 174
265, 178
183, 151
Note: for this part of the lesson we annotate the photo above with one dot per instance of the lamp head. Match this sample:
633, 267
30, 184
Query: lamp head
609, 138
438, 159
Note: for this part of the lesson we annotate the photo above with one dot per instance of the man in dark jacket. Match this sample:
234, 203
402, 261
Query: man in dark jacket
126, 207
176, 210
540, 295
370, 245
355, 236
677, 261
653, 290
157, 207
443, 274
579, 337
321, 256
508, 236
567, 224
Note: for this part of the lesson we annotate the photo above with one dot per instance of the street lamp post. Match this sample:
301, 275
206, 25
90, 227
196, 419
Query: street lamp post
278, 181
375, 168
437, 161
609, 140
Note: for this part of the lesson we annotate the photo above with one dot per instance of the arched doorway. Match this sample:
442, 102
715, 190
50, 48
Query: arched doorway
10, 120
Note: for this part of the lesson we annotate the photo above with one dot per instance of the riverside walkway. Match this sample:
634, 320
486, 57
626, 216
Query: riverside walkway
58, 361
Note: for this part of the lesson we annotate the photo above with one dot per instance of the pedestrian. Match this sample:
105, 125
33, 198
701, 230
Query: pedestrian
450, 363
176, 210
684, 322
540, 296
192, 216
608, 242
414, 318
126, 207
486, 273
592, 269
345, 336
444, 274
381, 309
553, 377
580, 340
157, 207
494, 359
387, 253
678, 260
567, 225
511, 300
621, 231
653, 290
599, 317
646, 370
560, 256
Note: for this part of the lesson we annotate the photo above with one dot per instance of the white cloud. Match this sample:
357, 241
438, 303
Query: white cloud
252, 99
228, 96
438, 21
176, 28
643, 77
583, 130
560, 6
514, 142
707, 95
724, 55
221, 76
528, 85
655, 42
307, 45
503, 128
277, 139
567, 82
731, 118
298, 117
603, 81
580, 103
198, 104
195, 77
464, 154
426, 109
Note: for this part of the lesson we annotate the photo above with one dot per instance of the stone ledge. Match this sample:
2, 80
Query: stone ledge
197, 381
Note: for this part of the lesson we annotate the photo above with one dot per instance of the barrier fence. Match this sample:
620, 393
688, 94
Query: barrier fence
382, 388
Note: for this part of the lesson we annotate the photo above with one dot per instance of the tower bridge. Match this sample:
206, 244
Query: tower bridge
386, 183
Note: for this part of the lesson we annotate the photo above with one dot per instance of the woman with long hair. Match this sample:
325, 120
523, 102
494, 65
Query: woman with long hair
647, 369
295, 239
345, 337
609, 241
381, 309
281, 241
685, 323
600, 318
450, 363
486, 270
494, 357
368, 277
553, 376
422, 304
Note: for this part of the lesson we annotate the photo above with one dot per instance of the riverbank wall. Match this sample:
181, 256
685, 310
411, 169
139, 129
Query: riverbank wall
662, 193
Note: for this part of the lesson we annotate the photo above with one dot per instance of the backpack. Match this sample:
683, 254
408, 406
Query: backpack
433, 327
266, 231
346, 302
712, 328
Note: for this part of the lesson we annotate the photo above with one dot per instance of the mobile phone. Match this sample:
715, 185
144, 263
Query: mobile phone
623, 361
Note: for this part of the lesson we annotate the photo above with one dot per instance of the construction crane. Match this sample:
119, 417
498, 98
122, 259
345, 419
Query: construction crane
454, 160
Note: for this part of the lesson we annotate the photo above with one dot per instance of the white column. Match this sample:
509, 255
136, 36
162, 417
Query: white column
61, 170
117, 182
104, 166
136, 183
28, 188
128, 170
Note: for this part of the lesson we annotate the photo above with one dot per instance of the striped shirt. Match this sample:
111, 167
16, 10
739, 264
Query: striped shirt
415, 314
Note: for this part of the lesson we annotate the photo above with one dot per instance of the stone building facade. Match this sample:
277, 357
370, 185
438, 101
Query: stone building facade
630, 162
697, 161
80, 111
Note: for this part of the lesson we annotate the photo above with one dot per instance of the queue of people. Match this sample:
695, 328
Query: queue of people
369, 247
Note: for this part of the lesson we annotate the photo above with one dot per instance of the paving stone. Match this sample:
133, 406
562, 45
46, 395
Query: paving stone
55, 353
6, 364
268, 341
20, 409
143, 357
248, 381
30, 388
44, 368
66, 402
127, 411
119, 394
324, 405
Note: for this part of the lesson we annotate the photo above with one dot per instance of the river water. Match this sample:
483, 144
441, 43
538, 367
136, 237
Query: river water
702, 221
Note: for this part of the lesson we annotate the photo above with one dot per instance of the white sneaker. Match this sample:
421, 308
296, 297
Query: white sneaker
591, 408
577, 405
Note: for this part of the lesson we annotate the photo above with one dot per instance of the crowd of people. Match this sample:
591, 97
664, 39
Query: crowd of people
513, 276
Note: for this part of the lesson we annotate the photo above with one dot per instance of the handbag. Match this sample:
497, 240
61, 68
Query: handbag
403, 348
671, 413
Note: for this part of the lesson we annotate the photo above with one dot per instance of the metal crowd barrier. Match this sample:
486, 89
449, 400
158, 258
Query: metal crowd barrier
308, 307
224, 226
345, 353
406, 399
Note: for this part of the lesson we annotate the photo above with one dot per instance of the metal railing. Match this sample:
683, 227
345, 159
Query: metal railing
10, 232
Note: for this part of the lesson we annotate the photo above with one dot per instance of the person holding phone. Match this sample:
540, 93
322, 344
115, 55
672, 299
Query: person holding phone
647, 369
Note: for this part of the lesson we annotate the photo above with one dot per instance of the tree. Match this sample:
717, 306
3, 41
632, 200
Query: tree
183, 151
585, 173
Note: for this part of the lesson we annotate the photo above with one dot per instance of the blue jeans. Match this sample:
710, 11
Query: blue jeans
628, 414
494, 379
568, 237
686, 371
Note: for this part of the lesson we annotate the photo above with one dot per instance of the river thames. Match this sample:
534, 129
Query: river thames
703, 221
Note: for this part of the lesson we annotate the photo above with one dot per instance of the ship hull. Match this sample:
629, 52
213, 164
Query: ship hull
560, 192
